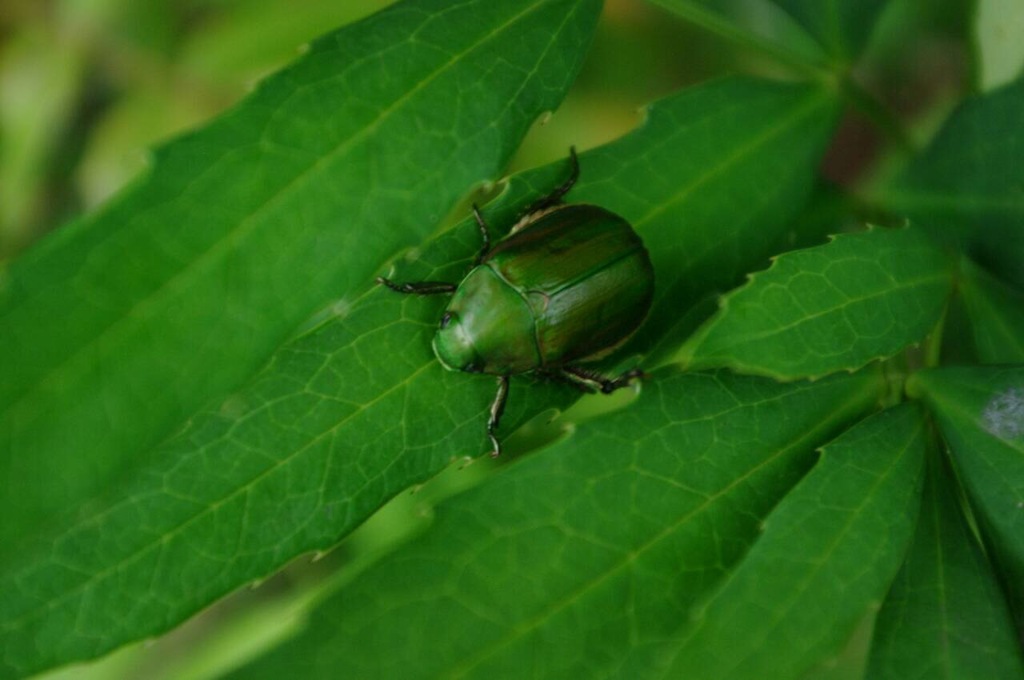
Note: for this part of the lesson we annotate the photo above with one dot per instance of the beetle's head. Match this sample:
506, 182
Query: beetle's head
453, 346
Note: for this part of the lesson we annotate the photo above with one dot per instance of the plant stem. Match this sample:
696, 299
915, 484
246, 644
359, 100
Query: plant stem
933, 344
877, 112
715, 23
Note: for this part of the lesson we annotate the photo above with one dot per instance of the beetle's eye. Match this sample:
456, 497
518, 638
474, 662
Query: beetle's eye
446, 320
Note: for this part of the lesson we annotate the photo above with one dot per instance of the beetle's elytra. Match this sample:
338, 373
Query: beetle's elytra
569, 284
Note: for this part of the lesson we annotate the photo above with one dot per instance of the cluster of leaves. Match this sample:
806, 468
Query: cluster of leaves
797, 457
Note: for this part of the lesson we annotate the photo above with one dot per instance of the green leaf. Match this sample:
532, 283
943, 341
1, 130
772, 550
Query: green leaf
945, 615
996, 314
118, 327
828, 552
842, 26
346, 416
981, 413
834, 307
967, 185
567, 559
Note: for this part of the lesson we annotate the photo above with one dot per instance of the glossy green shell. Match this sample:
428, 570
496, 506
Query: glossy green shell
570, 284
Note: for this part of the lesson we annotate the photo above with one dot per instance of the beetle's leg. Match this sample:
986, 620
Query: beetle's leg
485, 236
497, 408
591, 381
556, 196
418, 287
562, 376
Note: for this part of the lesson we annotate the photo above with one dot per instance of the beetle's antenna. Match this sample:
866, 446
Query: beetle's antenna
485, 236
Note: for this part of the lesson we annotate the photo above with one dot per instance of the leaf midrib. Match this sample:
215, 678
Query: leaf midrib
738, 154
950, 200
903, 286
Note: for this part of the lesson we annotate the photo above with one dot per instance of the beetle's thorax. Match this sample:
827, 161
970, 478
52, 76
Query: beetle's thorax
487, 328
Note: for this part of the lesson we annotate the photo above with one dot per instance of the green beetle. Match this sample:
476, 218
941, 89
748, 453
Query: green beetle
569, 284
